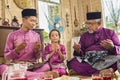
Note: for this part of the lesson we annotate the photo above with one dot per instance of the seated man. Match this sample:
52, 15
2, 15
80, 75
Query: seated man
24, 44
98, 40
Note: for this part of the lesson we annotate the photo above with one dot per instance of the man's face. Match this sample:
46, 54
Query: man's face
92, 25
30, 22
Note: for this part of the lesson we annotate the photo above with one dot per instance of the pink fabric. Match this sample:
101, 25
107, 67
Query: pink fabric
45, 67
2, 68
60, 71
27, 54
16, 38
55, 61
34, 75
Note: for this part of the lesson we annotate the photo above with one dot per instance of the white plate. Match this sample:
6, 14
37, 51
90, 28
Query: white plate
71, 78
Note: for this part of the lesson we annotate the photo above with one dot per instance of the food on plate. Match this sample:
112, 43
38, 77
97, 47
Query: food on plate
64, 77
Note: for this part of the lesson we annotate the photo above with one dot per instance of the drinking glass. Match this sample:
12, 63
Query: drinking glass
107, 76
96, 77
48, 77
18, 72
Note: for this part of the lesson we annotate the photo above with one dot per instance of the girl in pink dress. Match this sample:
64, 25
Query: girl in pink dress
55, 53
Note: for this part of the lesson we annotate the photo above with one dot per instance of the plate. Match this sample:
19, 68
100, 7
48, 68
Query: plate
71, 78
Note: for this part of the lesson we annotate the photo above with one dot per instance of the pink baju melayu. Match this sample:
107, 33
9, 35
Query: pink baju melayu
55, 62
2, 68
27, 54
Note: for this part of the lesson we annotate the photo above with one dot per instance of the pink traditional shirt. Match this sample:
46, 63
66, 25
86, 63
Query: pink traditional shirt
55, 60
16, 38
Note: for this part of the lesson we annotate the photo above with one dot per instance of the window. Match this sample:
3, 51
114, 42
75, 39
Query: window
112, 14
48, 9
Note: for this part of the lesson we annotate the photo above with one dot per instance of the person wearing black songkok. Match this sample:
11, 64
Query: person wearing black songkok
24, 45
96, 40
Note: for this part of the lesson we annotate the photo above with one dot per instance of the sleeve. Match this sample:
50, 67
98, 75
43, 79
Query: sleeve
116, 42
39, 54
63, 51
81, 42
46, 53
9, 52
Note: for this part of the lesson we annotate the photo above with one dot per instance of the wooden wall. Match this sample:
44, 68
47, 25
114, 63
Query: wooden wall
0, 11
12, 10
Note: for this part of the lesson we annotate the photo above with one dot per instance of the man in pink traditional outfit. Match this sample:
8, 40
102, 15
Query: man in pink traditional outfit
24, 45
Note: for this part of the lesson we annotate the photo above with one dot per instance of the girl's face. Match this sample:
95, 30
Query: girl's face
54, 37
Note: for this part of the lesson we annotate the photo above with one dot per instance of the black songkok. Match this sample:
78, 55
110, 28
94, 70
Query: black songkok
28, 12
93, 15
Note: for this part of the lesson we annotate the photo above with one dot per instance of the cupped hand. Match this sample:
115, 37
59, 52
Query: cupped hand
20, 47
108, 44
77, 47
37, 46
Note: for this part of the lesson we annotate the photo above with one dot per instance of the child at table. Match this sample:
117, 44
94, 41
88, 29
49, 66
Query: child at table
55, 53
